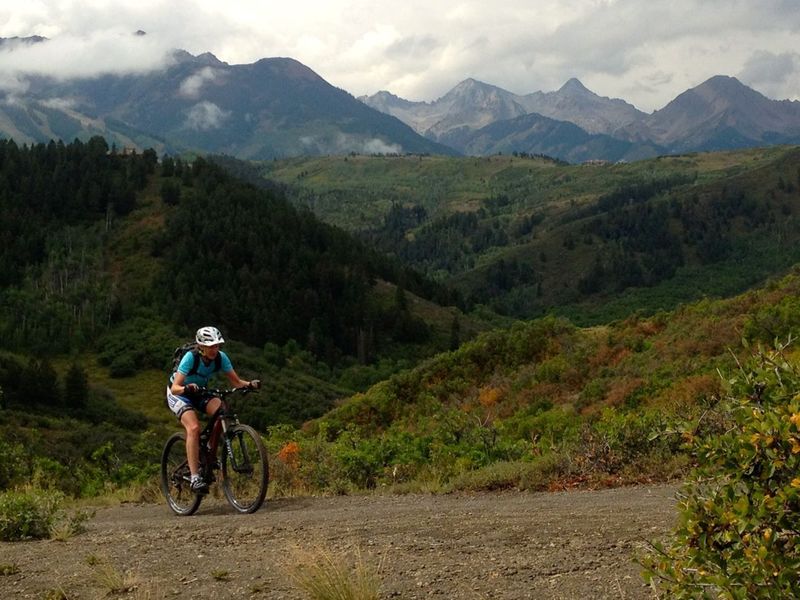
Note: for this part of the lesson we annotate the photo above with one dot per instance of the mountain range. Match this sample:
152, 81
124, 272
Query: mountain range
575, 124
278, 107
274, 107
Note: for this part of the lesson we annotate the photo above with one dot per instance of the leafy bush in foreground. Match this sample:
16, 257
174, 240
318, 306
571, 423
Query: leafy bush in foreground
29, 514
739, 529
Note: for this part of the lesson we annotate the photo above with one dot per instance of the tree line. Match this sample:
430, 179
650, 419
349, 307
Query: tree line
229, 253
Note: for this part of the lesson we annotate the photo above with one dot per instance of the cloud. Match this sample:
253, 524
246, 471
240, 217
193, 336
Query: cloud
191, 86
345, 143
205, 116
376, 146
59, 103
13, 85
776, 75
70, 56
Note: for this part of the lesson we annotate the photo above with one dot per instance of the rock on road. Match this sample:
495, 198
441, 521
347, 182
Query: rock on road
509, 545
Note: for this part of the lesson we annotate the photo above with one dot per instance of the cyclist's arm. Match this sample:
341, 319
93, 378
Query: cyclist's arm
178, 386
235, 380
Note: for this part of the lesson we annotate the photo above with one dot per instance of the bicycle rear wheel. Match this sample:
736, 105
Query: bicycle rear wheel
176, 477
245, 471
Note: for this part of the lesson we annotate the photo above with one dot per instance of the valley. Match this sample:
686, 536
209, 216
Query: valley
529, 235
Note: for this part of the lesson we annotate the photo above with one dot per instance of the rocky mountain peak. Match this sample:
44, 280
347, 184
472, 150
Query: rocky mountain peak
209, 59
573, 87
386, 102
720, 93
720, 109
472, 88
728, 88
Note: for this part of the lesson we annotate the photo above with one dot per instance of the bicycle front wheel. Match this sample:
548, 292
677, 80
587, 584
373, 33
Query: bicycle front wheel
176, 477
245, 471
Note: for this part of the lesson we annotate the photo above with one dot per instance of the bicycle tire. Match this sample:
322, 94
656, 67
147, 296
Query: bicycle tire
176, 477
245, 473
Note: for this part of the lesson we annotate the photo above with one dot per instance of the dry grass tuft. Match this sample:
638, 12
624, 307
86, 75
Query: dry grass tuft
115, 581
325, 574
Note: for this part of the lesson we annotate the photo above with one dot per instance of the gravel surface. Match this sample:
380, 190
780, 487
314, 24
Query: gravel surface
578, 544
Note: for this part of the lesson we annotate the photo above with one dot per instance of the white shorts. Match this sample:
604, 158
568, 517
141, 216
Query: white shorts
180, 404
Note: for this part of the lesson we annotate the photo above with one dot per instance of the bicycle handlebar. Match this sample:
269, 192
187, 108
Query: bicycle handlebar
222, 393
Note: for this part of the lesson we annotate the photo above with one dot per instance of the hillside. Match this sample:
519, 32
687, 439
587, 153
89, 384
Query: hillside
115, 259
89, 221
529, 235
544, 404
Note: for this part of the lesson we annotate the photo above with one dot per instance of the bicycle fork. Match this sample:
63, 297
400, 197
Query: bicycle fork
239, 466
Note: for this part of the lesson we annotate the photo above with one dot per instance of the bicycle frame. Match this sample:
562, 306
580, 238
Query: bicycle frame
216, 426
215, 430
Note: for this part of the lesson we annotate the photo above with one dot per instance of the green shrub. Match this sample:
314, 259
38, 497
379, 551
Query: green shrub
137, 343
29, 514
13, 465
535, 475
618, 439
546, 427
773, 322
317, 469
739, 529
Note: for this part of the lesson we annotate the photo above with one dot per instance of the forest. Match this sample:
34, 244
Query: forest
227, 253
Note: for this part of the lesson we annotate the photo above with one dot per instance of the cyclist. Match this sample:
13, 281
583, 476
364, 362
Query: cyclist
192, 373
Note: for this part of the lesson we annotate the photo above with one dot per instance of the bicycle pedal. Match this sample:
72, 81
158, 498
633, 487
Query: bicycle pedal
199, 488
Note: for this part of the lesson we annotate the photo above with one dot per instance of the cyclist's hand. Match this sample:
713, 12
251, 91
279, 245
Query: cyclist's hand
190, 389
255, 384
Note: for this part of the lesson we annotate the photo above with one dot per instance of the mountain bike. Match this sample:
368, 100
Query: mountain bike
231, 448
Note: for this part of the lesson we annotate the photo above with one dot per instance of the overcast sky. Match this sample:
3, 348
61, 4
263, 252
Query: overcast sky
644, 51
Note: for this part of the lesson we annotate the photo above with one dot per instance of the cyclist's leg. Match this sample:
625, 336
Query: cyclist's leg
213, 406
186, 414
191, 424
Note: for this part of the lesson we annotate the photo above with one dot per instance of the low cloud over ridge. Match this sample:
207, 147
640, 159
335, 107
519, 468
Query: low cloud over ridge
205, 116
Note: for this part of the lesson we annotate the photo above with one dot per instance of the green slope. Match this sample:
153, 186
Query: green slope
529, 236
545, 404
126, 274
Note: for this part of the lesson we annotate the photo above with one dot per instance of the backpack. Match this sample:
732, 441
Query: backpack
181, 351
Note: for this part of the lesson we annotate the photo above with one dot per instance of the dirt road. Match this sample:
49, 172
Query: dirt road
496, 545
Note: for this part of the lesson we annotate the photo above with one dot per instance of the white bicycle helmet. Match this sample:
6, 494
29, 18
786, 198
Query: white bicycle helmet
208, 336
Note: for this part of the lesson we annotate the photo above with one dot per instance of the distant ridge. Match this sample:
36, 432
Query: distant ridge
34, 39
721, 113
275, 107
